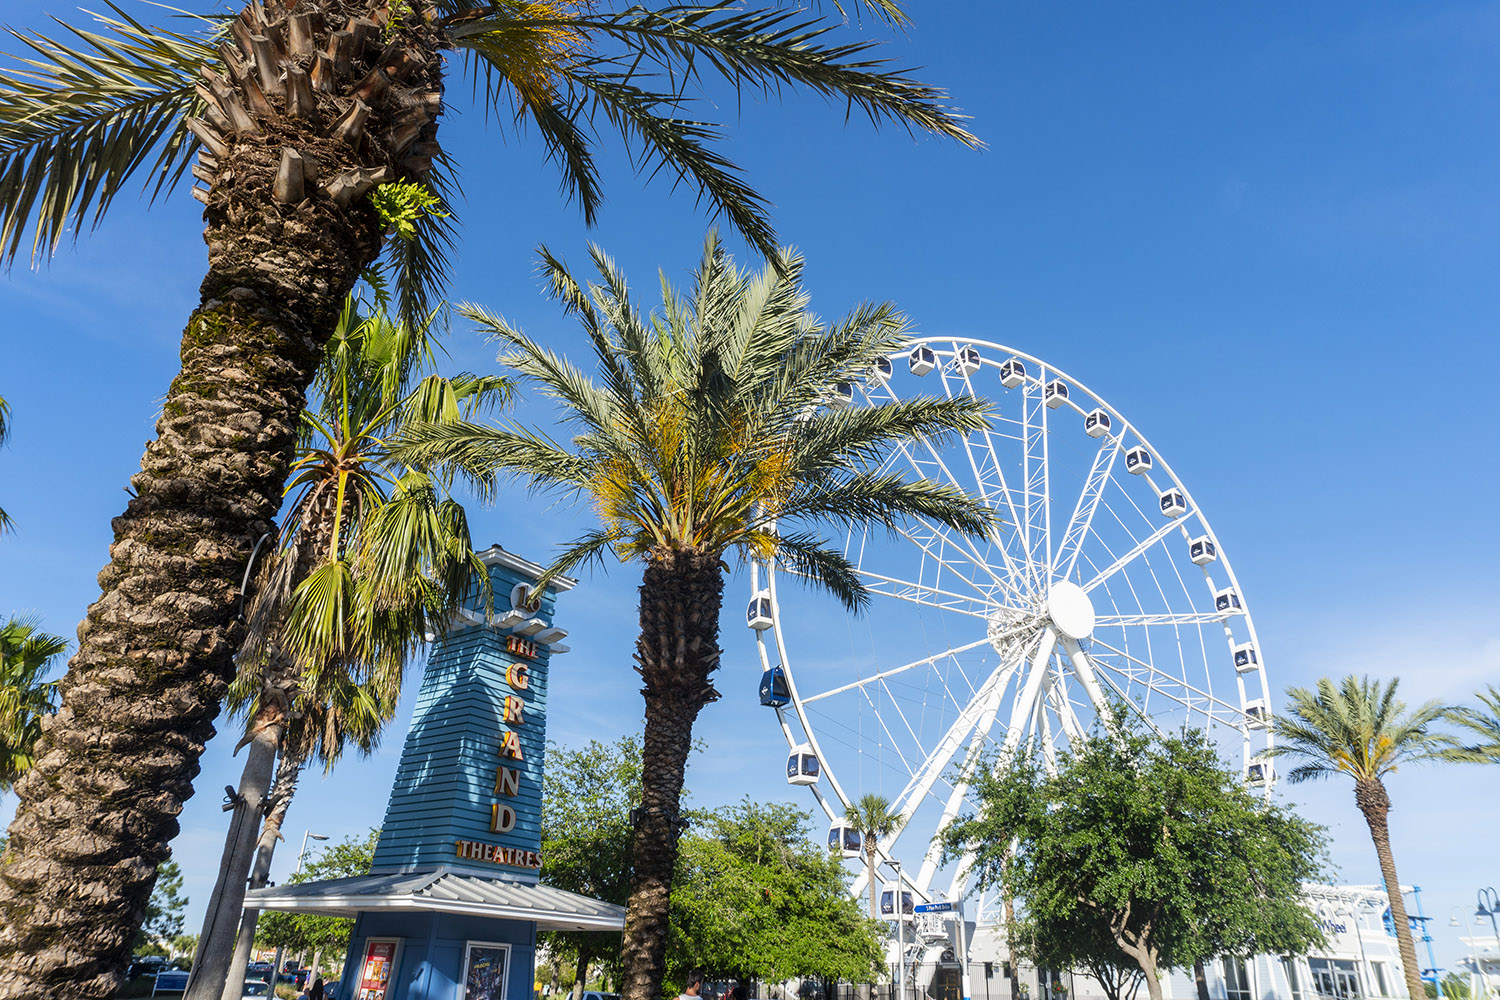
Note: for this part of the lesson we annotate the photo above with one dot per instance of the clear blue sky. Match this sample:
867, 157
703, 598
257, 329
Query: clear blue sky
1266, 233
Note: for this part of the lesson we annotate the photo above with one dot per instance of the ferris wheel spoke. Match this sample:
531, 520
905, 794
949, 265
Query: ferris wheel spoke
882, 675
1035, 484
997, 536
1175, 620
1135, 552
1082, 519
1190, 696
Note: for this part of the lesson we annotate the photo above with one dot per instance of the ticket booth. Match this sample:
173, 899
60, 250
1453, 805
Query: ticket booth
453, 904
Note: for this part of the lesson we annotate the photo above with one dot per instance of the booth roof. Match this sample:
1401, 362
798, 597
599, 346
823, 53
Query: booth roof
444, 891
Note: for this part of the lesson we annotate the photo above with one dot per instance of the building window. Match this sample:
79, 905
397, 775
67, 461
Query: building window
1294, 978
1336, 978
1236, 980
1381, 986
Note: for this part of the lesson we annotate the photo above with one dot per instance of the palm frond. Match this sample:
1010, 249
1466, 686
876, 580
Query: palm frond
809, 556
80, 115
419, 266
480, 454
886, 499
598, 62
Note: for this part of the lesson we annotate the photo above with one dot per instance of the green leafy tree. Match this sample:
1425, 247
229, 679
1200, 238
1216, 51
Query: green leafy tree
183, 947
1359, 728
758, 897
371, 557
873, 818
164, 913
313, 932
587, 796
705, 439
1139, 850
1455, 987
1483, 724
26, 656
290, 115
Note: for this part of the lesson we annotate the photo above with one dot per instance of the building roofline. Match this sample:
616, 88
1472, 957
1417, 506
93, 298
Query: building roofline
496, 555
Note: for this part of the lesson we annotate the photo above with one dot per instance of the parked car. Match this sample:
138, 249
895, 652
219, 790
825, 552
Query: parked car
256, 988
596, 995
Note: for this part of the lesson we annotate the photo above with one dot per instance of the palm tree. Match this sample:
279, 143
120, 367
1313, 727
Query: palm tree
371, 558
1360, 728
313, 129
1484, 723
703, 439
873, 818
5, 522
26, 654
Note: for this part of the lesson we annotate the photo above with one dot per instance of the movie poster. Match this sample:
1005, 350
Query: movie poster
484, 979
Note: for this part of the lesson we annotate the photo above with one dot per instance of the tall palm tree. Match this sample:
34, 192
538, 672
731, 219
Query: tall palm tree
1359, 727
873, 818
291, 116
371, 558
703, 439
26, 654
1483, 723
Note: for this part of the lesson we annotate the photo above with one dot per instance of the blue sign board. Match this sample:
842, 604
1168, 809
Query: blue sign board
938, 908
468, 790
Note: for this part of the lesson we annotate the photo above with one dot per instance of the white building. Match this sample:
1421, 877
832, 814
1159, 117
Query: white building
1361, 962
1480, 963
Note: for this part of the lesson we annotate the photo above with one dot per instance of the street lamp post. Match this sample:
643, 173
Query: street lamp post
1488, 904
281, 951
1477, 977
302, 854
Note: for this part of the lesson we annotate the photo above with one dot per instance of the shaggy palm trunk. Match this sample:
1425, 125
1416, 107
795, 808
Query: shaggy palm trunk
308, 112
1373, 801
288, 768
677, 650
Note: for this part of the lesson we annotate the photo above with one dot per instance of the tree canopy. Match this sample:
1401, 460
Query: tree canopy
312, 931
587, 796
164, 913
758, 897
1140, 851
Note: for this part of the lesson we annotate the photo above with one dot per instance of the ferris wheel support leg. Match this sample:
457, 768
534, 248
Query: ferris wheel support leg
1021, 711
1084, 668
991, 707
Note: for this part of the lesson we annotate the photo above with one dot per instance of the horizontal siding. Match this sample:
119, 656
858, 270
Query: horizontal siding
444, 784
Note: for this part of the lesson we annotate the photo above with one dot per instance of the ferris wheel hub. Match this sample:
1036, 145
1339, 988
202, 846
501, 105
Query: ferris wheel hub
1070, 609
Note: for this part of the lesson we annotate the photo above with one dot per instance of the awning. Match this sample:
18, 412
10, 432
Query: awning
443, 891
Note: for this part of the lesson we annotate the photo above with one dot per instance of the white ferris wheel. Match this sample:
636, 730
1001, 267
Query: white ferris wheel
1105, 582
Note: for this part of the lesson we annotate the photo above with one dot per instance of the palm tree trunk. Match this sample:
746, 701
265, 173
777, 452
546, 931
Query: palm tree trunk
1373, 801
870, 874
288, 769
116, 763
678, 648
211, 964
